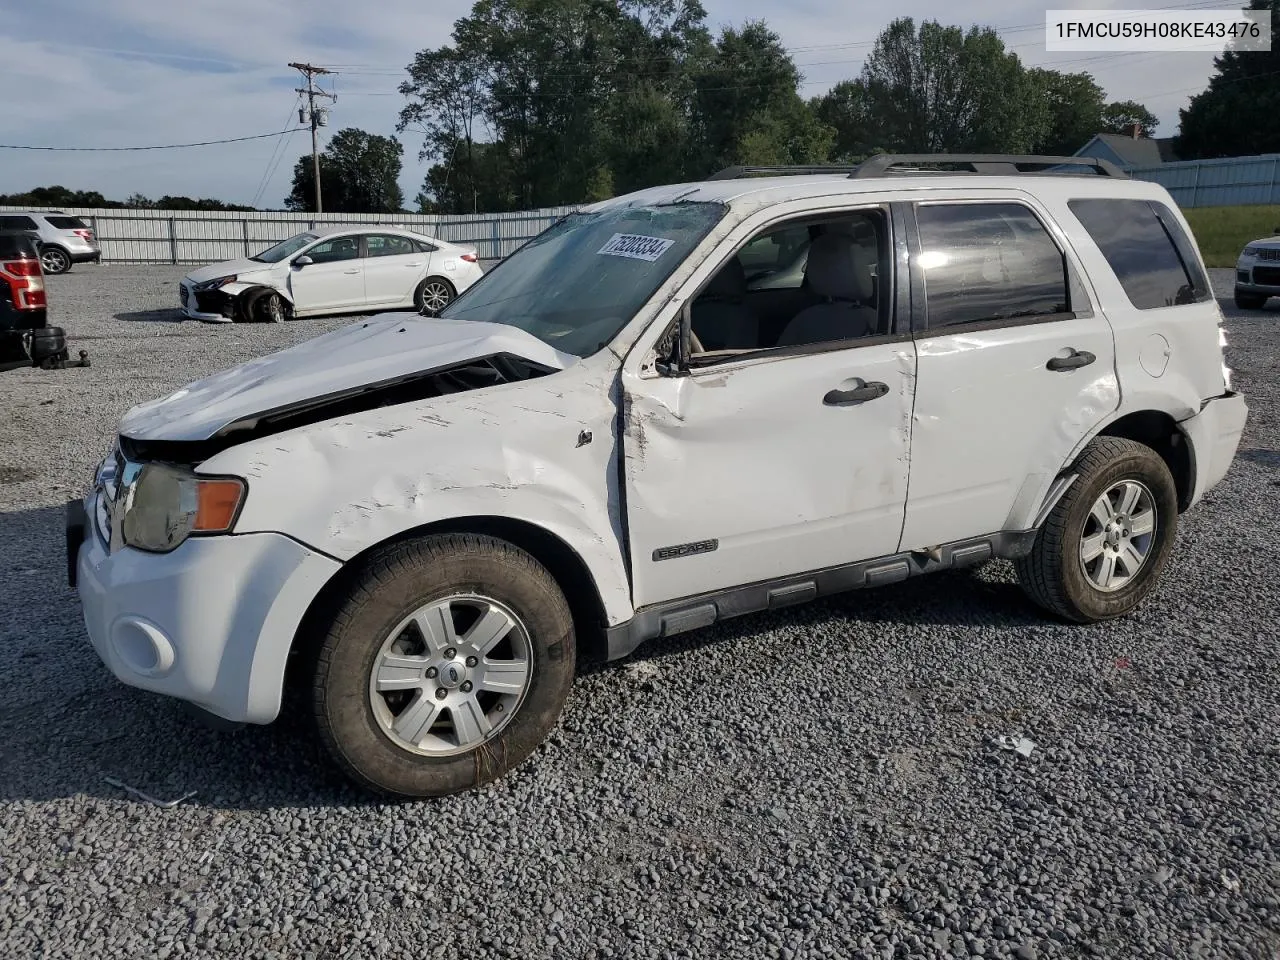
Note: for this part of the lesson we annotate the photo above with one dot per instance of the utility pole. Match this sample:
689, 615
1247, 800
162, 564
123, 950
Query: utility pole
311, 91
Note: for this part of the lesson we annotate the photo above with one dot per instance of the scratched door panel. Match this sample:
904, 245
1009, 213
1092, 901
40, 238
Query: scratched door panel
736, 475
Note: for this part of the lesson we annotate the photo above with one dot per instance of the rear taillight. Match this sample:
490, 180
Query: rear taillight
470, 258
26, 283
84, 234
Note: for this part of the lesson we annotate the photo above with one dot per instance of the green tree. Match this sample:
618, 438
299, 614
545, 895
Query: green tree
846, 110
1119, 117
941, 89
359, 173
1075, 109
1239, 113
746, 107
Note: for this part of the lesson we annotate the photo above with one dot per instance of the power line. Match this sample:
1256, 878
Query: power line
167, 146
278, 148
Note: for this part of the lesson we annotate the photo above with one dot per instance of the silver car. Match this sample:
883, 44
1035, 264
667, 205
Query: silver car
1258, 273
63, 239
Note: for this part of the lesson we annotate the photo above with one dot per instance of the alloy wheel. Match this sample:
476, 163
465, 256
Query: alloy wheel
451, 675
1118, 535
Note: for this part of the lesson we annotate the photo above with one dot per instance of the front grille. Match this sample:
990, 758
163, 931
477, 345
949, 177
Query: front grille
184, 294
1267, 276
1269, 253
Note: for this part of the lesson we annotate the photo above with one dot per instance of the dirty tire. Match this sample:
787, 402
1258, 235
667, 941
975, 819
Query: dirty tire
391, 585
435, 293
269, 308
1249, 301
1053, 575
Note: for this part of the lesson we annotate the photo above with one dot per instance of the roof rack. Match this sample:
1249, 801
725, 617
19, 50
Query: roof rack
999, 164
735, 173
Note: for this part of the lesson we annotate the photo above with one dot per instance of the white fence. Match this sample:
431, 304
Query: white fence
1230, 182
188, 236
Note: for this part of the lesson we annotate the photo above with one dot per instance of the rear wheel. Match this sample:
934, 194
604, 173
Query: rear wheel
446, 665
433, 295
1105, 544
55, 260
1249, 301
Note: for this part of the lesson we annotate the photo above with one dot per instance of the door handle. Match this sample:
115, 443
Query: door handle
350, 271
849, 398
416, 263
1078, 358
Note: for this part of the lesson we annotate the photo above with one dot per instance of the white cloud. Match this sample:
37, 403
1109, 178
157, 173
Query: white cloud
147, 71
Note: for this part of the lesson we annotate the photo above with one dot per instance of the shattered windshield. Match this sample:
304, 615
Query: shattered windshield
287, 248
578, 283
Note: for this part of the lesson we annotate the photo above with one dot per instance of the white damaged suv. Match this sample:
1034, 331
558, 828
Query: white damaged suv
611, 438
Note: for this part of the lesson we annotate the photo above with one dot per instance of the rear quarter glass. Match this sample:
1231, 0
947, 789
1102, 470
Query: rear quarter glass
67, 223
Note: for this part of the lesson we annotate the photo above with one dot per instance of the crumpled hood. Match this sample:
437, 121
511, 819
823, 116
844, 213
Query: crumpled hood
367, 352
226, 268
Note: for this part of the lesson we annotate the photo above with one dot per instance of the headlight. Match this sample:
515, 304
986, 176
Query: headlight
1249, 252
216, 283
160, 506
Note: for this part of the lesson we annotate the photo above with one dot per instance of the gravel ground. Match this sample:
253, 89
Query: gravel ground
689, 805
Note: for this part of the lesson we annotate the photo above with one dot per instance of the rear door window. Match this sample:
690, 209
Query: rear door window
17, 223
1152, 256
388, 245
988, 263
67, 223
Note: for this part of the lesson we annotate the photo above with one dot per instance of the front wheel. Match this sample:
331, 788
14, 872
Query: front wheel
433, 295
54, 260
1249, 301
446, 665
1105, 544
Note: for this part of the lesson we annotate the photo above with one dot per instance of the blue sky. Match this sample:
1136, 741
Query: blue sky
130, 72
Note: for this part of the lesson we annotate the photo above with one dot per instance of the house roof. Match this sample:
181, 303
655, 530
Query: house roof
1167, 151
1142, 152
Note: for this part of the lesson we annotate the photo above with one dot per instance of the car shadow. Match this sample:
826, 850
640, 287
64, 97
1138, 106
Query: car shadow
66, 725
1263, 458
170, 315
952, 598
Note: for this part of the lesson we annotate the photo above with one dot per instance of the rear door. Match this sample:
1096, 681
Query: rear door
1015, 366
393, 265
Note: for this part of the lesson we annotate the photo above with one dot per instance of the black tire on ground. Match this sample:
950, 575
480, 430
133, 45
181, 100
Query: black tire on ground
442, 288
1053, 573
392, 585
54, 260
267, 306
1250, 301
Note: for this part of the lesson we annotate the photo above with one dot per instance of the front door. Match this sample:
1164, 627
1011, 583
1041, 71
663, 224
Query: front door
334, 280
393, 265
781, 458
1015, 369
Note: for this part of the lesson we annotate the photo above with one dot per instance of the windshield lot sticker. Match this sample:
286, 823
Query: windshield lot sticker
635, 247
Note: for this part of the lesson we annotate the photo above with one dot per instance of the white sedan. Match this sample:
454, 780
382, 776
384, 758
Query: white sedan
332, 270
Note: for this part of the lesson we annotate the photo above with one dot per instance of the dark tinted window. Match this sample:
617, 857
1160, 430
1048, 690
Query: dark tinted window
339, 248
426, 247
388, 245
17, 223
67, 223
988, 261
1150, 253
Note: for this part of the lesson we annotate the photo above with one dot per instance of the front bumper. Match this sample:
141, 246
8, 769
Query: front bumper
1261, 279
210, 623
211, 306
1214, 436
